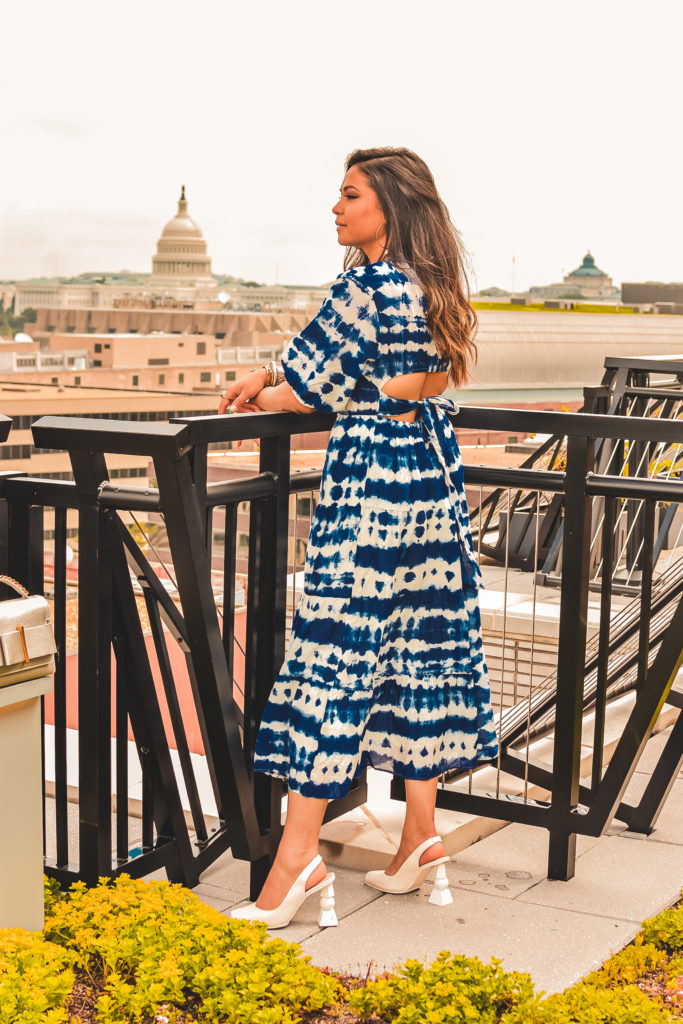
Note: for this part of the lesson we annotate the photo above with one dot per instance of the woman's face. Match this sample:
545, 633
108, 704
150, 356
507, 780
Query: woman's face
359, 217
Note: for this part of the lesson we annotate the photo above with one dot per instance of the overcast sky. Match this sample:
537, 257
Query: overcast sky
550, 128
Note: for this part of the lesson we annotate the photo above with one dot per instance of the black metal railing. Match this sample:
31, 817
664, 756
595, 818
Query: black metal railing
120, 655
644, 387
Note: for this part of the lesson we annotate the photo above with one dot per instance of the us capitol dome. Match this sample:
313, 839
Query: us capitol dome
181, 259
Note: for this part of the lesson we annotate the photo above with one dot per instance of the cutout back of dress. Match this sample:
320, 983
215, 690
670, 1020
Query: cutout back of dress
412, 387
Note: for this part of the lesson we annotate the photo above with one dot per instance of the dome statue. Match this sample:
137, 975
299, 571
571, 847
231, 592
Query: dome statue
181, 258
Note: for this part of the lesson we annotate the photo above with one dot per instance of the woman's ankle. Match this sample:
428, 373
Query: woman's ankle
295, 860
412, 840
413, 835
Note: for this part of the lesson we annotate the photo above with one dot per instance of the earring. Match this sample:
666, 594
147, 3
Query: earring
380, 227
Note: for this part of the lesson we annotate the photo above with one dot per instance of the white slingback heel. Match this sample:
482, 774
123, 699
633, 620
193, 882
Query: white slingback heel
279, 917
412, 874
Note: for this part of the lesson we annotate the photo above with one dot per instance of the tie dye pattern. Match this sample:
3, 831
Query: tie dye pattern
385, 665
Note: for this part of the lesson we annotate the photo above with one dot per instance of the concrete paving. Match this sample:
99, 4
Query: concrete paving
503, 905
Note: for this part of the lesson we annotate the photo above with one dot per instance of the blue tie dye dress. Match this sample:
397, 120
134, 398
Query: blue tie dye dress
385, 665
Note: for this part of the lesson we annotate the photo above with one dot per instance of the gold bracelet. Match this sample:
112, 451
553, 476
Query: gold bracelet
271, 371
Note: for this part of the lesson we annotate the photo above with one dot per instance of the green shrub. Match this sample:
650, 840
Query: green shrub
155, 948
591, 1004
630, 964
451, 990
52, 893
157, 945
665, 931
35, 979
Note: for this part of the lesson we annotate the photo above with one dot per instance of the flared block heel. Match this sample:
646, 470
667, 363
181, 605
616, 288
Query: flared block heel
280, 916
327, 917
411, 873
441, 894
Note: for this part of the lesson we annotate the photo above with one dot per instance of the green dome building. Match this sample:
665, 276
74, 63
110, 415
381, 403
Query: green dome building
588, 279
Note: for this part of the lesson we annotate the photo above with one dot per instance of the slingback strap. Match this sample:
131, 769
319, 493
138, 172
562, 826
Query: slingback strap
309, 869
419, 850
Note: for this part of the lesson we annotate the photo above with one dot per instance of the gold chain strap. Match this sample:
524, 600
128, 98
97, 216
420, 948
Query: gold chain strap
17, 586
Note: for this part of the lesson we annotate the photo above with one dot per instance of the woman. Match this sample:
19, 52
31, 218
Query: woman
385, 665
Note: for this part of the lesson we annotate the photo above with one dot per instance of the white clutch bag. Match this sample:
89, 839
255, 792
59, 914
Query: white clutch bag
27, 641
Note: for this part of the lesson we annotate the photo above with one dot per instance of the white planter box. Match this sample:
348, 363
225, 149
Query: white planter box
21, 805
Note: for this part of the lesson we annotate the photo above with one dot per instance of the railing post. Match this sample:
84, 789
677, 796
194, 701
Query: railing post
571, 658
639, 456
266, 635
94, 670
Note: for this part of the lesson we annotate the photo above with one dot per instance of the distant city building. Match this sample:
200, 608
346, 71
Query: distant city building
491, 293
181, 259
274, 297
227, 327
651, 292
181, 278
169, 349
181, 274
589, 279
586, 282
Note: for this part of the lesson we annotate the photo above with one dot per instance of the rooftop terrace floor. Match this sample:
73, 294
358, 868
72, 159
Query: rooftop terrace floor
503, 905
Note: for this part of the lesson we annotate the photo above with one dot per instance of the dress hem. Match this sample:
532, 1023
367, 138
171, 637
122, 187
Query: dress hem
337, 791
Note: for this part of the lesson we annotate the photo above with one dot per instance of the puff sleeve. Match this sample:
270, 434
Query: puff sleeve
323, 363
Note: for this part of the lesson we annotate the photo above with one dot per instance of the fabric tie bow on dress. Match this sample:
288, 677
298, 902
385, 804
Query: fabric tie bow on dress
433, 412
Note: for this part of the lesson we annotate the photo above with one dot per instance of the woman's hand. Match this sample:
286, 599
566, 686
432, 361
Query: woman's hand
237, 395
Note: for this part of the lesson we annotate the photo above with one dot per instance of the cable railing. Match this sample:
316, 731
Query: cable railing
646, 388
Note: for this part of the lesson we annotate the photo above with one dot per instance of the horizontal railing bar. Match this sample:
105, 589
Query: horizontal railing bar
657, 364
249, 425
223, 492
633, 487
227, 492
570, 424
528, 479
655, 392
34, 490
506, 807
305, 480
64, 494
132, 437
130, 499
123, 437
207, 429
602, 485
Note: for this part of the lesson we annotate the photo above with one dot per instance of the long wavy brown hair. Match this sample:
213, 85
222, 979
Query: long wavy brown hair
420, 233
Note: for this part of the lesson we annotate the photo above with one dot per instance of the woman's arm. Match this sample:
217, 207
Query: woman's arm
248, 394
279, 399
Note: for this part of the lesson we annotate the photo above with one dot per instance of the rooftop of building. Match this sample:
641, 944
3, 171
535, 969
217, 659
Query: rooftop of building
18, 398
588, 268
